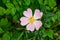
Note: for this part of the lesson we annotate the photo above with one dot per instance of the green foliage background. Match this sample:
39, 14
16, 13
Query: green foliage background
12, 10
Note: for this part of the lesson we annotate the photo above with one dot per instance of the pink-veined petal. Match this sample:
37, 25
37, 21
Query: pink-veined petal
37, 24
30, 27
28, 13
37, 14
24, 21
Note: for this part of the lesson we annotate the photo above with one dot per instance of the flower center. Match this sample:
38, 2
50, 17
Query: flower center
31, 20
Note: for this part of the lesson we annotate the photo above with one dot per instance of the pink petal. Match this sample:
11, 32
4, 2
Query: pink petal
30, 27
37, 24
24, 21
37, 14
28, 13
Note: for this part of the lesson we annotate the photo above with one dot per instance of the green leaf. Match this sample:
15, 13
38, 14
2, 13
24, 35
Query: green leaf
6, 36
53, 19
47, 7
5, 1
44, 33
13, 11
45, 2
40, 2
1, 31
15, 18
49, 25
27, 2
3, 22
8, 11
20, 2
50, 34
15, 35
57, 15
9, 5
51, 3
16, 4
2, 10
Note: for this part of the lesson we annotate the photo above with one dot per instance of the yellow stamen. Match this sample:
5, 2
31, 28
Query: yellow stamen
31, 20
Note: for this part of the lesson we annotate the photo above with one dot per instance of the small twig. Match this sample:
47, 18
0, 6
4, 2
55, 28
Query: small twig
55, 25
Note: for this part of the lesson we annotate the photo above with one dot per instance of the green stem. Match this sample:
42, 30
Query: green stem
20, 36
20, 29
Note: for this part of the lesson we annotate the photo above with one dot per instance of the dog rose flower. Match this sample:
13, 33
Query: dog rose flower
31, 21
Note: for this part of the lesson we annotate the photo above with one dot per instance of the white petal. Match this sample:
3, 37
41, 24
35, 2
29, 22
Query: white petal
24, 21
37, 24
37, 14
30, 27
28, 13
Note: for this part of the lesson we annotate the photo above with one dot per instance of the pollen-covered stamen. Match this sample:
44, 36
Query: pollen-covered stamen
31, 20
